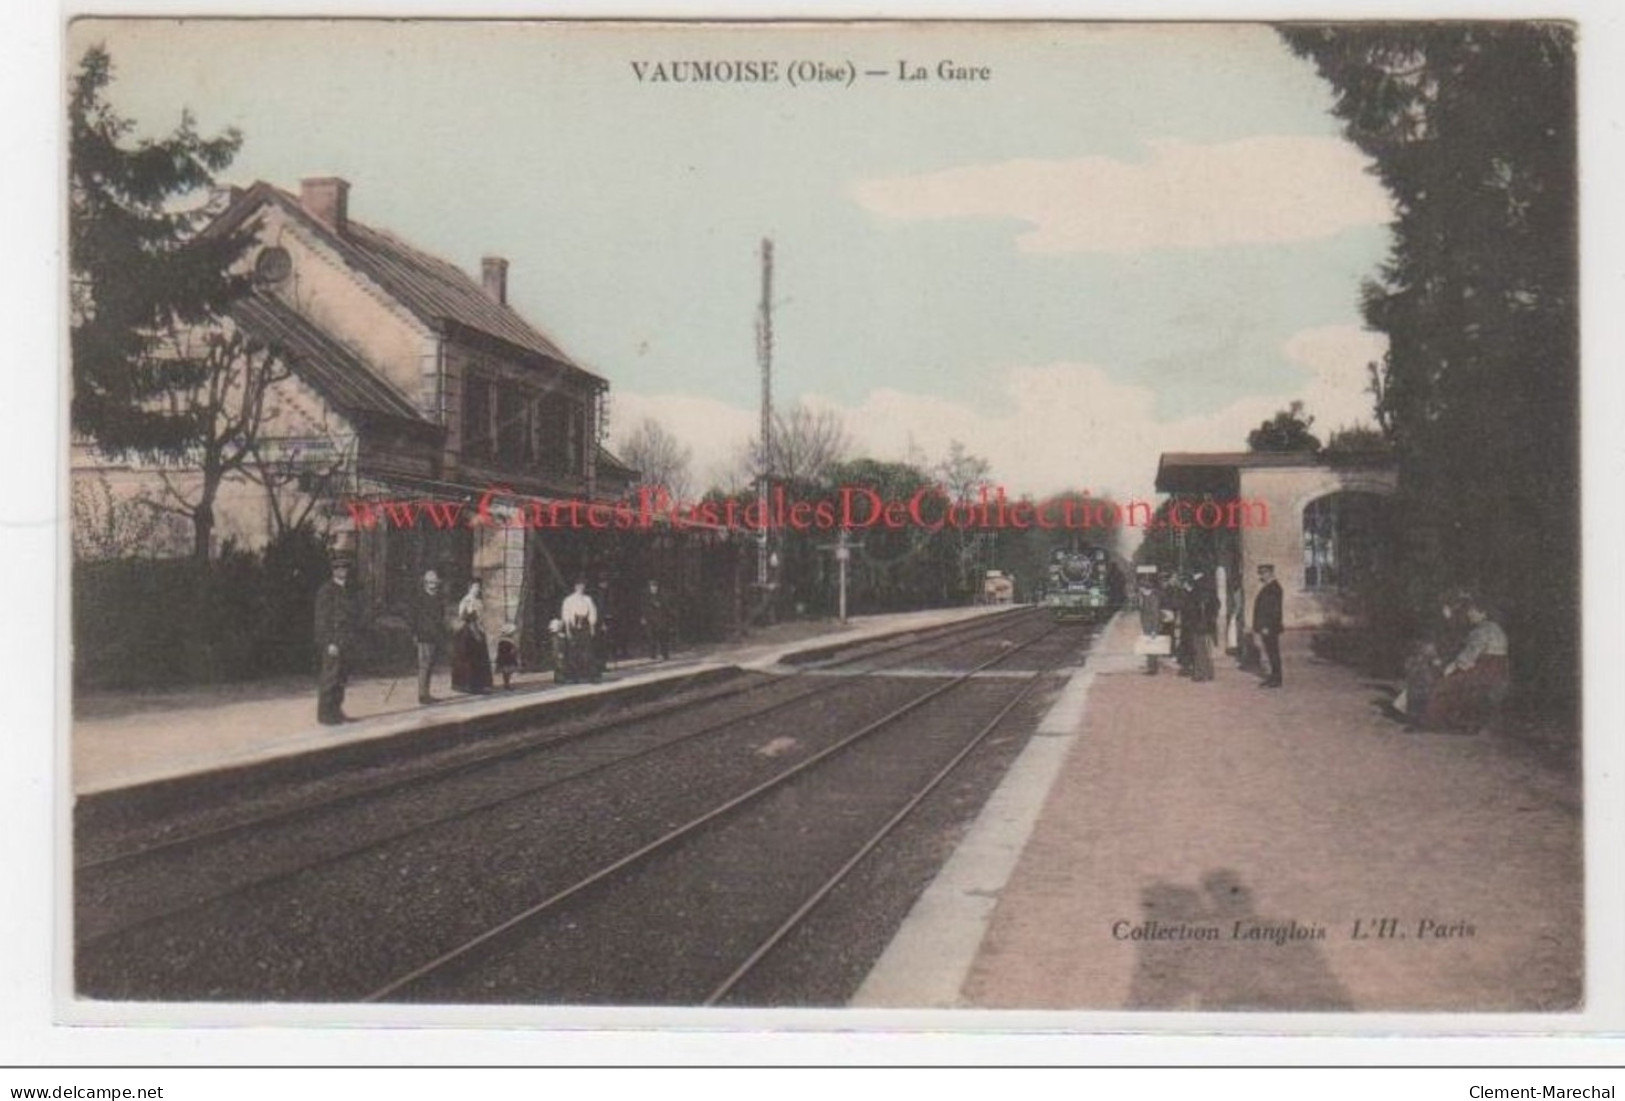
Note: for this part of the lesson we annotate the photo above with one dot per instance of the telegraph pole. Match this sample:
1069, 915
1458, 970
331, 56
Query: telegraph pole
843, 548
764, 357
843, 555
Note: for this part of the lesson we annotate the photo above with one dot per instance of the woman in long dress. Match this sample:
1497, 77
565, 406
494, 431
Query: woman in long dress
470, 654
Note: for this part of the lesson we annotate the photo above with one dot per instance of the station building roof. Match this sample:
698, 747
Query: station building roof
1218, 472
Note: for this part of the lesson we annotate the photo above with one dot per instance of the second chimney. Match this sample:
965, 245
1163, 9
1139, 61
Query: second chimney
494, 274
327, 199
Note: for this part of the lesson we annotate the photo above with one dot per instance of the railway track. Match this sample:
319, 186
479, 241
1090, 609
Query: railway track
523, 834
478, 969
95, 854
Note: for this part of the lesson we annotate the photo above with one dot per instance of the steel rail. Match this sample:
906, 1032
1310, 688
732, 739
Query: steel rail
441, 961
328, 859
790, 923
469, 764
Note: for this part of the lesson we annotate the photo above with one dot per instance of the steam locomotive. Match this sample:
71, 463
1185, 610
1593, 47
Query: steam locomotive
1082, 584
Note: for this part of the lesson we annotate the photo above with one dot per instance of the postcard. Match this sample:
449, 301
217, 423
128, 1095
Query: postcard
987, 525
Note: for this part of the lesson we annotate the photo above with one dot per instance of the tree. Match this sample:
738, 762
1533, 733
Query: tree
299, 476
145, 279
226, 406
806, 444
662, 461
963, 476
1173, 543
1356, 439
108, 524
961, 473
896, 569
1288, 430
1472, 130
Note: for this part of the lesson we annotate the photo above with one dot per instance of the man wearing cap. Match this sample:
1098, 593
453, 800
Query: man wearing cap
428, 630
1150, 619
335, 634
1203, 603
1267, 623
657, 623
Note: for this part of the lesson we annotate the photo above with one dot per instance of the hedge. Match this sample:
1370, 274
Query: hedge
146, 623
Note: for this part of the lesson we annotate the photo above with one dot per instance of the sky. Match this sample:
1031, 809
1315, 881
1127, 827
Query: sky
1126, 239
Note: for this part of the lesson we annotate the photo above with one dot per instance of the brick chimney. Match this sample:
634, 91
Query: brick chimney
494, 274
327, 199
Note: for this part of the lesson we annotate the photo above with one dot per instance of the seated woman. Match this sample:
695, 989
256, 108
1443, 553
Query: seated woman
1421, 674
1472, 685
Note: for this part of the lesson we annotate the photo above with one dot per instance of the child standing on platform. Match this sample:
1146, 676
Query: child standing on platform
508, 654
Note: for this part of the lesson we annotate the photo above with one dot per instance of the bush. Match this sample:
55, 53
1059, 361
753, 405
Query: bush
129, 620
293, 567
154, 623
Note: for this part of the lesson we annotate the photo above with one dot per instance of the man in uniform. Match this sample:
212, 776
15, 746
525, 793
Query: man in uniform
657, 623
428, 630
1267, 623
335, 635
1203, 605
1176, 601
1150, 617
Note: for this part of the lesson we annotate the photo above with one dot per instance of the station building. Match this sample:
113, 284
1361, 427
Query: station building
413, 382
1322, 520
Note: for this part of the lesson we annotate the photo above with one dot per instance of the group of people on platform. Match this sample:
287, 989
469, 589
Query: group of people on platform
1460, 692
471, 665
1180, 618
580, 641
583, 639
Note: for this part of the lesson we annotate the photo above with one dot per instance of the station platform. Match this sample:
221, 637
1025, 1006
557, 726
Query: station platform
1159, 845
125, 739
1198, 848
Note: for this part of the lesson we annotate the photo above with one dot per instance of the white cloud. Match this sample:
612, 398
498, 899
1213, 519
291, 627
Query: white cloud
1183, 195
1337, 356
1065, 425
714, 429
1060, 426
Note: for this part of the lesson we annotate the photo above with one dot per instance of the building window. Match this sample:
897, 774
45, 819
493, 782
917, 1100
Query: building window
1343, 540
478, 439
562, 422
514, 435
